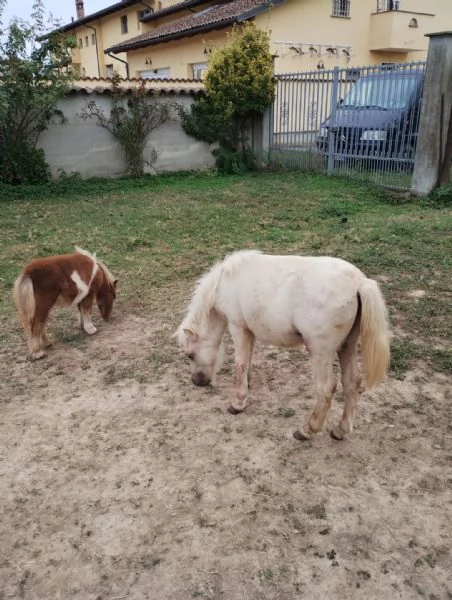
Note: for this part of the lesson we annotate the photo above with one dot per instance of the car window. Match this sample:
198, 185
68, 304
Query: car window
381, 92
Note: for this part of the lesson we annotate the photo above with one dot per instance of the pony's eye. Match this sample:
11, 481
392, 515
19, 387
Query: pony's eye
191, 356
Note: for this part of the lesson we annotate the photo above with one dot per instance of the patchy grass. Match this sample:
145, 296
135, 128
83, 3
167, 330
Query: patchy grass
159, 234
286, 411
317, 511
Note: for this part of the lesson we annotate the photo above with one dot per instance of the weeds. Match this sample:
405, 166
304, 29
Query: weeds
318, 511
286, 412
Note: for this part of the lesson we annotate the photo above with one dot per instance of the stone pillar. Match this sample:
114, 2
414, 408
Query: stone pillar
435, 111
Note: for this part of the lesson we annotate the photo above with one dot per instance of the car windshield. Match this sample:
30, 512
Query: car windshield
380, 92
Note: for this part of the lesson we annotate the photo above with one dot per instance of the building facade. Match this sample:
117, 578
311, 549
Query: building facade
170, 39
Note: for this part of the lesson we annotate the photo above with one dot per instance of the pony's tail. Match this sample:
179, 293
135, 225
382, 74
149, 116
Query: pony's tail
24, 299
374, 332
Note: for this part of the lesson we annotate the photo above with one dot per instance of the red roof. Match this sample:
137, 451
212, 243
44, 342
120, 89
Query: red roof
217, 16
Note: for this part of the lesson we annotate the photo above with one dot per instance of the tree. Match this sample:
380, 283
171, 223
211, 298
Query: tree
239, 86
131, 120
34, 75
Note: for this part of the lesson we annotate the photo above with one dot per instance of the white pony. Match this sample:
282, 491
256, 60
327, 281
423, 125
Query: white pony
322, 302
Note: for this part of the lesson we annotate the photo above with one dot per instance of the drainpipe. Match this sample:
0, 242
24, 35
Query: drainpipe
120, 60
97, 50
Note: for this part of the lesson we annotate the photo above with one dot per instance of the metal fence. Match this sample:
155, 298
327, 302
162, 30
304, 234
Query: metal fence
361, 122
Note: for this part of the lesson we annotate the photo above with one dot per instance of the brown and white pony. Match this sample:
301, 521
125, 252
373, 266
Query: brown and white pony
68, 280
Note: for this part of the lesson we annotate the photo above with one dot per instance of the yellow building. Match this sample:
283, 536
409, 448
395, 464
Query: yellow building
173, 39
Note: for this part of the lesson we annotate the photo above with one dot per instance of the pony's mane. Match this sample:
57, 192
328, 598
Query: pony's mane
205, 293
86, 253
234, 261
102, 265
202, 301
110, 278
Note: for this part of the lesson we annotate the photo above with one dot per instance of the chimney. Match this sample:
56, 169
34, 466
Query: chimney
80, 9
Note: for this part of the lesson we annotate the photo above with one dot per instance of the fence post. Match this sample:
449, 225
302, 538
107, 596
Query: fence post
435, 113
331, 134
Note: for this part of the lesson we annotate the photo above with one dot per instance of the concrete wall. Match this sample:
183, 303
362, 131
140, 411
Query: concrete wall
92, 151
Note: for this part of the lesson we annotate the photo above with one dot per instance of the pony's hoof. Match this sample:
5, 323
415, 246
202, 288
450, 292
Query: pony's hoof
301, 436
234, 411
38, 355
90, 330
335, 434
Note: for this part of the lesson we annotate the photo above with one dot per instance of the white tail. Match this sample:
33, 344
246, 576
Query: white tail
374, 332
24, 299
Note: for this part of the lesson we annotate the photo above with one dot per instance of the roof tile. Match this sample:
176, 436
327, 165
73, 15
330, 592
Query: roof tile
189, 25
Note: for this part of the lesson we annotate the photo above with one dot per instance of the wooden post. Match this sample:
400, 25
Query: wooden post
444, 175
430, 159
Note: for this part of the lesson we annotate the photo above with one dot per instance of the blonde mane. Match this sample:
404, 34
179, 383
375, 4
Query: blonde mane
201, 303
86, 253
205, 293
111, 279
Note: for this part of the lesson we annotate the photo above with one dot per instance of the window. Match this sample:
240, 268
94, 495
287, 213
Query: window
109, 71
80, 43
93, 39
83, 72
164, 73
389, 92
198, 70
124, 25
143, 13
146, 11
86, 41
341, 8
387, 5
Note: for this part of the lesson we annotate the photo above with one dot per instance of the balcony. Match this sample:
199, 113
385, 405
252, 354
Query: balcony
399, 31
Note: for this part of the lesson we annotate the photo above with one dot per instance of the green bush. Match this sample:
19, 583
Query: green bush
33, 76
24, 165
443, 195
239, 86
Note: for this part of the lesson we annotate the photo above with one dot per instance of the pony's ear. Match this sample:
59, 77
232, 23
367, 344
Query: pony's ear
115, 281
190, 335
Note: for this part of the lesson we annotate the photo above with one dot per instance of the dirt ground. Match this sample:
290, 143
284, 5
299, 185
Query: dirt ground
119, 479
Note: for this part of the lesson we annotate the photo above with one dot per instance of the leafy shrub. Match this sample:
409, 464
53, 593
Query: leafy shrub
443, 195
239, 86
23, 164
33, 76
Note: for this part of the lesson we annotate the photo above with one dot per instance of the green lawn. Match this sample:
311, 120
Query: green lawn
159, 234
